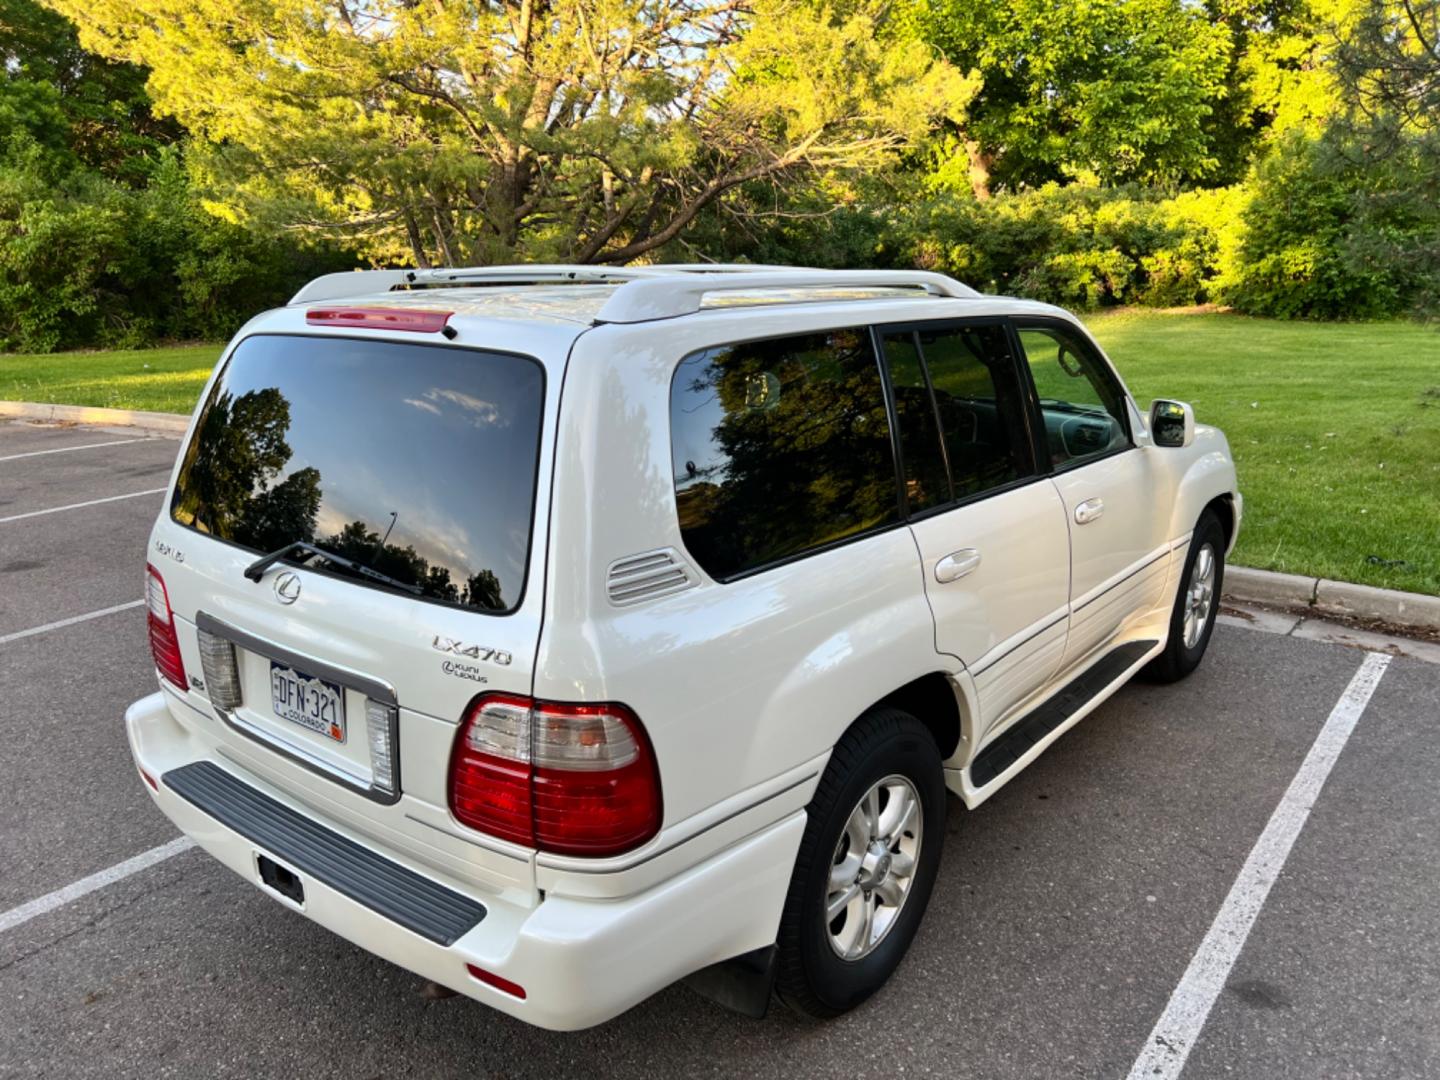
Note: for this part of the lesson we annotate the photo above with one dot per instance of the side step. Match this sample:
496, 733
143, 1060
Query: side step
1012, 746
387, 888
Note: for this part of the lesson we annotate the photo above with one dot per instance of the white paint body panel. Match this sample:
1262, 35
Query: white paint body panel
743, 688
1118, 561
1005, 620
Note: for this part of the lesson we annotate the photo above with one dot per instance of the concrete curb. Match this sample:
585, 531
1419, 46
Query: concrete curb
164, 423
1333, 597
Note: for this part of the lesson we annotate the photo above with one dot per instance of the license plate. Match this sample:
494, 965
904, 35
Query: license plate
314, 704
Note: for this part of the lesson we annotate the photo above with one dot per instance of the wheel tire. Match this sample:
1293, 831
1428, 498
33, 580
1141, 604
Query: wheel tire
1182, 655
884, 745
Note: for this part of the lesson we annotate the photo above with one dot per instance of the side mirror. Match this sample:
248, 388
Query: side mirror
1172, 423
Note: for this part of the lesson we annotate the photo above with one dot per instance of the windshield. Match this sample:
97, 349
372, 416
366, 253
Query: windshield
417, 462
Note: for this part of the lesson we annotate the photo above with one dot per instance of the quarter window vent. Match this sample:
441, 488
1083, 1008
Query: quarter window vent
652, 574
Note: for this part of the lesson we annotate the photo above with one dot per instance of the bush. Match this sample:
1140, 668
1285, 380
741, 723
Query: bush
1086, 246
1322, 231
86, 261
1082, 246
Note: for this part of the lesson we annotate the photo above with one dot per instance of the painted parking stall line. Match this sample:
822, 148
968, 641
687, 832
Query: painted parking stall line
68, 449
85, 886
82, 505
58, 624
1180, 1025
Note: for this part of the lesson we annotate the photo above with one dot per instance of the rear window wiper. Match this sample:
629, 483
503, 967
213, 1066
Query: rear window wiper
256, 570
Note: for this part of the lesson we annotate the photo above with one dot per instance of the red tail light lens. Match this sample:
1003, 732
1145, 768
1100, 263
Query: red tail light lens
490, 769
569, 779
164, 644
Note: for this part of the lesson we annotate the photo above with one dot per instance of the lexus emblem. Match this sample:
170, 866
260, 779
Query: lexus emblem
287, 587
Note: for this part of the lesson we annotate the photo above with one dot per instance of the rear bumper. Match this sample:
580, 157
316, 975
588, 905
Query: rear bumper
579, 961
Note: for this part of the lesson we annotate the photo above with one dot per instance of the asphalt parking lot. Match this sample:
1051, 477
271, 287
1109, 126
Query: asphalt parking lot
1069, 909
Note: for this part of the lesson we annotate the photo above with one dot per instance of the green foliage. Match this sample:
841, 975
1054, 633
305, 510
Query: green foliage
1293, 262
1328, 230
1386, 144
1119, 90
1050, 148
1082, 246
102, 238
70, 100
88, 261
458, 132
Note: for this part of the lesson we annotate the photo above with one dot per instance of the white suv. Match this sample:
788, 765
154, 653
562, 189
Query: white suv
558, 633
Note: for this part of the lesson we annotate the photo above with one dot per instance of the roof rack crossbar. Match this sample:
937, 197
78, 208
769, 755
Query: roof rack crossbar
647, 299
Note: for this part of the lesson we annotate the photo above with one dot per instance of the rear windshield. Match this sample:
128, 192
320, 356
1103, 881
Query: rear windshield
416, 462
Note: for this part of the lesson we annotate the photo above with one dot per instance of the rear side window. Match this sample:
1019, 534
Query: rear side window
780, 447
416, 462
964, 376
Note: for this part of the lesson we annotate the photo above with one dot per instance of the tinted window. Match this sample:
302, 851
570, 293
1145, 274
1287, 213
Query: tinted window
978, 399
958, 402
415, 461
1080, 400
779, 447
927, 483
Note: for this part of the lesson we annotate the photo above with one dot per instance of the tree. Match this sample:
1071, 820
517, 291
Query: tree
1119, 90
67, 97
1387, 143
455, 131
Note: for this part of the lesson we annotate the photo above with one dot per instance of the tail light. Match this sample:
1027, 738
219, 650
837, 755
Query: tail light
569, 779
164, 644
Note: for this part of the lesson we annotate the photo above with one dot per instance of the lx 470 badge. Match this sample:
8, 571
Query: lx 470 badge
475, 652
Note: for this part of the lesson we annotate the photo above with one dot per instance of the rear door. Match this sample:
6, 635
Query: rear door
1119, 551
402, 477
991, 529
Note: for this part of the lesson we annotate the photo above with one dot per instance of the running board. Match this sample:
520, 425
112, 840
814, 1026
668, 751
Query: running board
1016, 742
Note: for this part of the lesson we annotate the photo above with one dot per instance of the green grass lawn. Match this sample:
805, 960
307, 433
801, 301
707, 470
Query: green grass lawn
155, 380
1335, 430
1335, 427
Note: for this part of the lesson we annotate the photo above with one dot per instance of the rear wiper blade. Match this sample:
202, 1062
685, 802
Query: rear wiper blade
256, 570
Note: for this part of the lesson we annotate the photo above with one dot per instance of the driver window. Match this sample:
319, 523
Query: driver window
1080, 401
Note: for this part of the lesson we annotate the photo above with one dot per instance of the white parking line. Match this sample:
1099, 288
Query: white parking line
67, 449
74, 891
1179, 1026
18, 634
80, 505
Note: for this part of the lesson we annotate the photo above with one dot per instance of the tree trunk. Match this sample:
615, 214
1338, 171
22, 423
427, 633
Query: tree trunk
417, 244
980, 162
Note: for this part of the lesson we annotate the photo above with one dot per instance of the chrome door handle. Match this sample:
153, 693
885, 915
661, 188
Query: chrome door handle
956, 565
1088, 511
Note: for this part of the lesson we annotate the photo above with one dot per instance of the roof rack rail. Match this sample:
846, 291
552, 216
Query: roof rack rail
365, 282
666, 297
658, 291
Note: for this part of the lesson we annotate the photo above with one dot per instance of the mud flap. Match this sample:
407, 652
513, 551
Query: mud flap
742, 983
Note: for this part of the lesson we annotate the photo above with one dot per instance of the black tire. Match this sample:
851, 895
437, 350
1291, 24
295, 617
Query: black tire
811, 977
1180, 659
